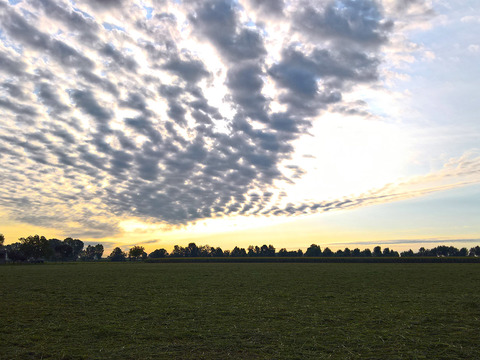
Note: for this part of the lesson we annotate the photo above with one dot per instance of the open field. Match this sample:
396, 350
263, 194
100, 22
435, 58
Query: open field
219, 311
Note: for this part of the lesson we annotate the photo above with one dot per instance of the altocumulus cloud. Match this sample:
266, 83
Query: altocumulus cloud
161, 110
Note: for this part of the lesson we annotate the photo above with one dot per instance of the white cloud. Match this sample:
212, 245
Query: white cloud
474, 48
470, 19
190, 114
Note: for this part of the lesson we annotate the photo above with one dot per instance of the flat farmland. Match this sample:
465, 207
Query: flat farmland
243, 311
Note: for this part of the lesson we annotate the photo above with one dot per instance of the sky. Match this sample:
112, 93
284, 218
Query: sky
150, 122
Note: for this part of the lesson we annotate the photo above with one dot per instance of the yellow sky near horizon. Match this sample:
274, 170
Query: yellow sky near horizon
362, 227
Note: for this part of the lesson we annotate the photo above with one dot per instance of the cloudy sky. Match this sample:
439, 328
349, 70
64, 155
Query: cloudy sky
241, 122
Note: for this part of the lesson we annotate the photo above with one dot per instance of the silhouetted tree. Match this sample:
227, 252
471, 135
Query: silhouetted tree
35, 247
327, 252
284, 252
475, 251
191, 250
253, 251
267, 250
158, 253
356, 252
237, 252
271, 250
136, 252
77, 246
264, 250
446, 251
56, 254
347, 252
313, 250
3, 250
377, 251
204, 251
407, 253
61, 250
117, 255
15, 253
218, 252
98, 251
178, 251
92, 252
366, 252
339, 253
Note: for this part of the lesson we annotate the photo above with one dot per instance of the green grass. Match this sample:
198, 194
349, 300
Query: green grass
244, 311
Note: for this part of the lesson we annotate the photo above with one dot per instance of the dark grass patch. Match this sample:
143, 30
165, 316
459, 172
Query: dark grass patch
218, 311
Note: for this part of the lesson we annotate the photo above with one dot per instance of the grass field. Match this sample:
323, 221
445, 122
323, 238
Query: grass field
244, 311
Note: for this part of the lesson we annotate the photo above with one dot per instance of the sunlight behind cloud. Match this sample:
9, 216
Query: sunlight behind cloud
349, 155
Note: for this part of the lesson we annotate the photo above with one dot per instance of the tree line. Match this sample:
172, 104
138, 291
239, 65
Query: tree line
38, 248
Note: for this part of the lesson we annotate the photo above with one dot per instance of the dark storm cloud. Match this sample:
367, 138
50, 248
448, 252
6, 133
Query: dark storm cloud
19, 29
143, 126
96, 80
218, 21
296, 76
201, 105
104, 4
85, 100
11, 67
190, 70
49, 98
170, 91
269, 7
120, 162
23, 143
316, 79
245, 82
92, 159
14, 90
180, 154
136, 101
18, 108
64, 135
282, 122
119, 58
301, 73
177, 112
356, 21
87, 28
